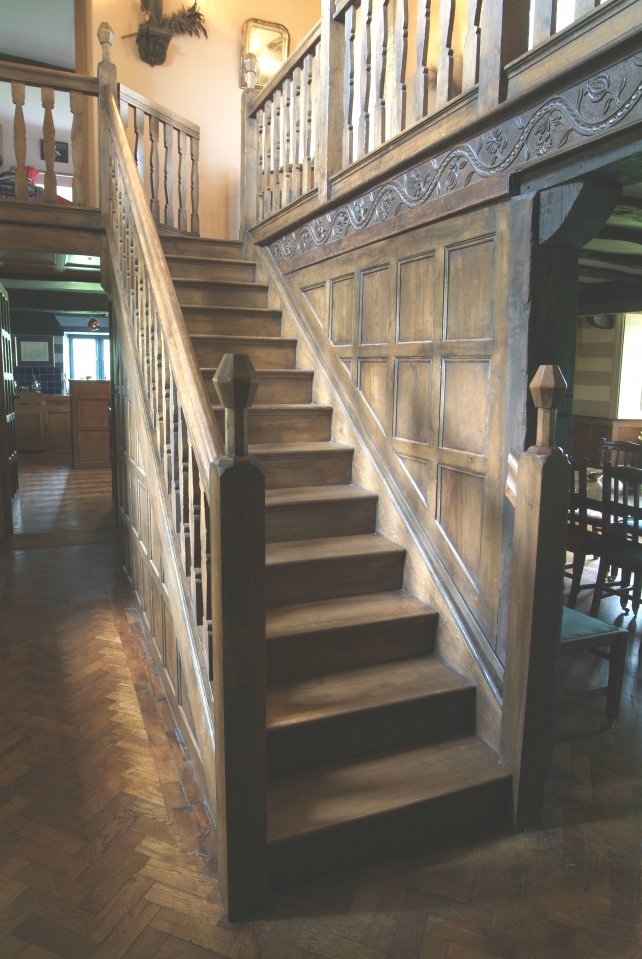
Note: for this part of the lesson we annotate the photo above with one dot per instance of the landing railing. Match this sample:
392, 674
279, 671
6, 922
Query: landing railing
377, 73
200, 527
48, 149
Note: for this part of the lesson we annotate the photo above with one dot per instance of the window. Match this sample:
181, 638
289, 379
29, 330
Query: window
87, 356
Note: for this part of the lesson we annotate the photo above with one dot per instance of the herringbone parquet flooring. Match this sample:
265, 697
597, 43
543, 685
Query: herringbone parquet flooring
107, 851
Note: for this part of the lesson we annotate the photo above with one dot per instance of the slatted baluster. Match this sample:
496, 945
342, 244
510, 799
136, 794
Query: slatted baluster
77, 106
269, 176
544, 20
470, 71
260, 197
446, 54
308, 168
19, 139
154, 204
297, 151
277, 150
583, 7
287, 141
399, 55
379, 80
194, 146
139, 142
206, 574
422, 76
168, 173
348, 86
182, 189
365, 67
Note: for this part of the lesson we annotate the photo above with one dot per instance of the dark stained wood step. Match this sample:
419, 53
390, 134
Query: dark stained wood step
269, 352
285, 424
274, 386
185, 267
308, 570
340, 814
309, 639
198, 293
302, 464
177, 244
310, 512
232, 320
366, 710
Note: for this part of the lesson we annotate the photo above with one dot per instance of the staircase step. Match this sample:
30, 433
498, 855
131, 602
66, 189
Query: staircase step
337, 815
302, 464
285, 424
308, 570
198, 293
179, 244
236, 320
308, 639
183, 267
311, 512
268, 352
274, 386
366, 710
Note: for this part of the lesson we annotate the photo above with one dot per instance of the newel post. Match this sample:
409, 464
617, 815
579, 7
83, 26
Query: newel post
537, 574
237, 501
330, 100
106, 84
249, 152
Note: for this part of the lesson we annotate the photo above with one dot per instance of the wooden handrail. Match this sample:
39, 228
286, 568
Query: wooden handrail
46, 77
308, 43
134, 99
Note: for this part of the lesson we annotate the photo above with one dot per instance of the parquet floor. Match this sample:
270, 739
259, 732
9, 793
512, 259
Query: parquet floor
107, 851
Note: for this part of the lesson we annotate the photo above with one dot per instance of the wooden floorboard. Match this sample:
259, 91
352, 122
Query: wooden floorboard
108, 852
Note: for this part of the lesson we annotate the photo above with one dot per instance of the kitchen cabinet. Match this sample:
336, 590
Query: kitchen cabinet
43, 422
90, 400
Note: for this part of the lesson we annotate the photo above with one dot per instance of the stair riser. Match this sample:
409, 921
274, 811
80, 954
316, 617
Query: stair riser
276, 426
347, 517
193, 246
430, 824
195, 294
208, 270
233, 323
269, 356
296, 388
332, 468
379, 729
312, 580
315, 653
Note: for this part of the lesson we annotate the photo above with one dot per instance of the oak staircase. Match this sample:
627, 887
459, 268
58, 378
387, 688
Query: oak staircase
371, 738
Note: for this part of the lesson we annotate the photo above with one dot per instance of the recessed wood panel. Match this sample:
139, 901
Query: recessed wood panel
342, 309
412, 400
419, 471
464, 408
460, 507
315, 295
468, 301
373, 375
375, 305
416, 299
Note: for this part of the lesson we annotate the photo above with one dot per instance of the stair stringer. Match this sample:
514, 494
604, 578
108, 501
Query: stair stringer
459, 636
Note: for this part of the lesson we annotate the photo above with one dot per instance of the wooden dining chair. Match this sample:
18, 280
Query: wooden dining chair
580, 632
622, 531
620, 453
583, 531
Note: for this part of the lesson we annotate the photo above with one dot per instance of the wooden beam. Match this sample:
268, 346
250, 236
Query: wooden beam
573, 213
59, 301
609, 298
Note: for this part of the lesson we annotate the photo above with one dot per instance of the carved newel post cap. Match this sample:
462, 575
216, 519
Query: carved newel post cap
105, 36
236, 386
548, 387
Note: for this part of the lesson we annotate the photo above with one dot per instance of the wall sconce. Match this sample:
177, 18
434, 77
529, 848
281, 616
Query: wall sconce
265, 47
156, 30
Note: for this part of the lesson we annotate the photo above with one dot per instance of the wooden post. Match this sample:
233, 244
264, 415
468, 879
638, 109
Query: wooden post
535, 614
237, 501
329, 100
106, 85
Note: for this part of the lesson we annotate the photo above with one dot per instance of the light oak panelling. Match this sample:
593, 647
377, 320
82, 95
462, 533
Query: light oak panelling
421, 325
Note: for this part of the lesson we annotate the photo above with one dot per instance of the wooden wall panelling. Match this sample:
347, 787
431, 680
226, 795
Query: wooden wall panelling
8, 446
90, 423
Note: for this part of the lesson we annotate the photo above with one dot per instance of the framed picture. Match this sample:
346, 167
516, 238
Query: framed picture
31, 350
61, 151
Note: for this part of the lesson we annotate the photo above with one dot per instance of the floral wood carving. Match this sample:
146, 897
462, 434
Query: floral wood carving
585, 111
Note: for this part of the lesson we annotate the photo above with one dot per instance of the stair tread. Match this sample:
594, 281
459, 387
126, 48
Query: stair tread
300, 551
240, 284
342, 612
309, 802
190, 258
355, 690
260, 373
318, 446
281, 408
315, 494
243, 337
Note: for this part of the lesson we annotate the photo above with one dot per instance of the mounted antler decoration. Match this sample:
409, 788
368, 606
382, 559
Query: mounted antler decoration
154, 34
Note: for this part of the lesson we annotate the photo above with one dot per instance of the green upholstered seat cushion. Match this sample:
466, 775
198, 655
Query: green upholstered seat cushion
575, 624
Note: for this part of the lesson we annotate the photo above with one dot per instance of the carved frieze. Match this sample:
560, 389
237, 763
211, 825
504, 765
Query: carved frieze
583, 112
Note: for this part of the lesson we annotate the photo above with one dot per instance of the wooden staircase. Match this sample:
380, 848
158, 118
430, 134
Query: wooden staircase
371, 739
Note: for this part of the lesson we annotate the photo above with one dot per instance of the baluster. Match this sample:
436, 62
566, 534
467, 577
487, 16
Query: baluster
583, 7
363, 124
504, 36
194, 521
260, 193
544, 17
168, 173
194, 148
297, 151
287, 141
77, 105
348, 86
206, 591
380, 59
399, 55
182, 211
19, 139
470, 71
308, 177
183, 527
269, 179
445, 62
422, 75
154, 205
139, 142
47, 98
277, 150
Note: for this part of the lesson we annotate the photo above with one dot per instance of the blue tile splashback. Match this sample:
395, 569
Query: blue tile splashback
50, 378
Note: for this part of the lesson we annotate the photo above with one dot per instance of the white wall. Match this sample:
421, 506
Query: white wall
200, 81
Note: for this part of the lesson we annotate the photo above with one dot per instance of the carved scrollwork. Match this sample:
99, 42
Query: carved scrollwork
587, 110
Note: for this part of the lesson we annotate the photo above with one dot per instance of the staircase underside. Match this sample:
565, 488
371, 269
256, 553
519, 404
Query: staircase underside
371, 738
